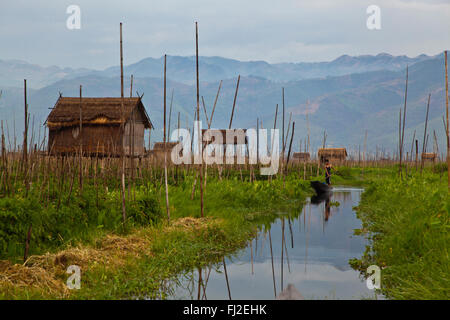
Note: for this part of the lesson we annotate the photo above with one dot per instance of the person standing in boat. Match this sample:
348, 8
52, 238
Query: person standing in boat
328, 168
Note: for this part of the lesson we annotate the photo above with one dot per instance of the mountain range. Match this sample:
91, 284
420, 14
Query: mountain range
345, 97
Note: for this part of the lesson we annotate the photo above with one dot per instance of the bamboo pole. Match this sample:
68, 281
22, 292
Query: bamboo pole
234, 101
215, 102
170, 115
198, 122
226, 277
403, 126
282, 125
282, 251
290, 144
204, 110
131, 86
81, 144
273, 269
122, 125
165, 149
447, 131
27, 243
25, 134
412, 145
425, 133
417, 152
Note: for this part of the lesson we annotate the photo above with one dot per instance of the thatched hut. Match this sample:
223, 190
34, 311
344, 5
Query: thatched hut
157, 153
429, 156
332, 154
300, 157
100, 131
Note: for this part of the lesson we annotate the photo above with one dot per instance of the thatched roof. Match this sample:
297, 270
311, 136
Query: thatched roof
429, 155
332, 152
300, 155
94, 111
160, 145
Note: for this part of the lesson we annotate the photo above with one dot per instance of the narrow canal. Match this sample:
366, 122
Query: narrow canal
318, 245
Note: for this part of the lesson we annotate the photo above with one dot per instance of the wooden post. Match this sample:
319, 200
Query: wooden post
425, 133
204, 110
170, 115
215, 102
446, 108
122, 124
165, 150
290, 145
27, 244
81, 144
25, 134
131, 86
404, 120
234, 101
417, 151
257, 140
282, 125
412, 145
282, 251
198, 120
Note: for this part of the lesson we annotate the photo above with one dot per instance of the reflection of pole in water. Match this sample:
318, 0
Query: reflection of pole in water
206, 283
273, 270
304, 218
290, 231
256, 242
199, 282
226, 277
287, 257
262, 245
251, 250
307, 235
327, 208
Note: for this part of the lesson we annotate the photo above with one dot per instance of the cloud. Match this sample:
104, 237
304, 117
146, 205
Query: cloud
290, 31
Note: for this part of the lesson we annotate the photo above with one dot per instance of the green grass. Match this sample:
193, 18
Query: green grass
234, 209
408, 222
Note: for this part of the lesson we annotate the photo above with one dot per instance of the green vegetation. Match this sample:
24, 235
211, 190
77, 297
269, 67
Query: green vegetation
406, 220
136, 261
408, 224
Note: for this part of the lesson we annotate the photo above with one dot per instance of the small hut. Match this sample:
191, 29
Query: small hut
100, 132
332, 154
300, 157
157, 153
429, 156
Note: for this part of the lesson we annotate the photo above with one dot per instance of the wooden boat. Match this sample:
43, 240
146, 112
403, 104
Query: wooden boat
320, 187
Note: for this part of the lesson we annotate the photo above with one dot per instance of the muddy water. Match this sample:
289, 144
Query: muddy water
318, 245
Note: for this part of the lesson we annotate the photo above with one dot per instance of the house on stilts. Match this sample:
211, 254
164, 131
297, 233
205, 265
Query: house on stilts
100, 132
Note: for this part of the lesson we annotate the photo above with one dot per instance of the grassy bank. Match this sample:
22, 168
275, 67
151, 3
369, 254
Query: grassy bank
407, 222
137, 261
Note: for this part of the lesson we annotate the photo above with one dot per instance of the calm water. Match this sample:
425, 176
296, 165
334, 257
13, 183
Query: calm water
318, 245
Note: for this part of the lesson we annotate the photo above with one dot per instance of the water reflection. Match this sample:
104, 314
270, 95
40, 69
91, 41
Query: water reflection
309, 253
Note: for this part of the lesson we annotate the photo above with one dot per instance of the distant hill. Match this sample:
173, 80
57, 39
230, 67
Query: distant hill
343, 105
12, 73
182, 69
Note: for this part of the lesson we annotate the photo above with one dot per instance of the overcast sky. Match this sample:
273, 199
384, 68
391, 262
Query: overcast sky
270, 30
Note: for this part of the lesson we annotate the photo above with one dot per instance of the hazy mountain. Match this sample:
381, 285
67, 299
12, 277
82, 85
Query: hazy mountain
12, 73
182, 69
345, 106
